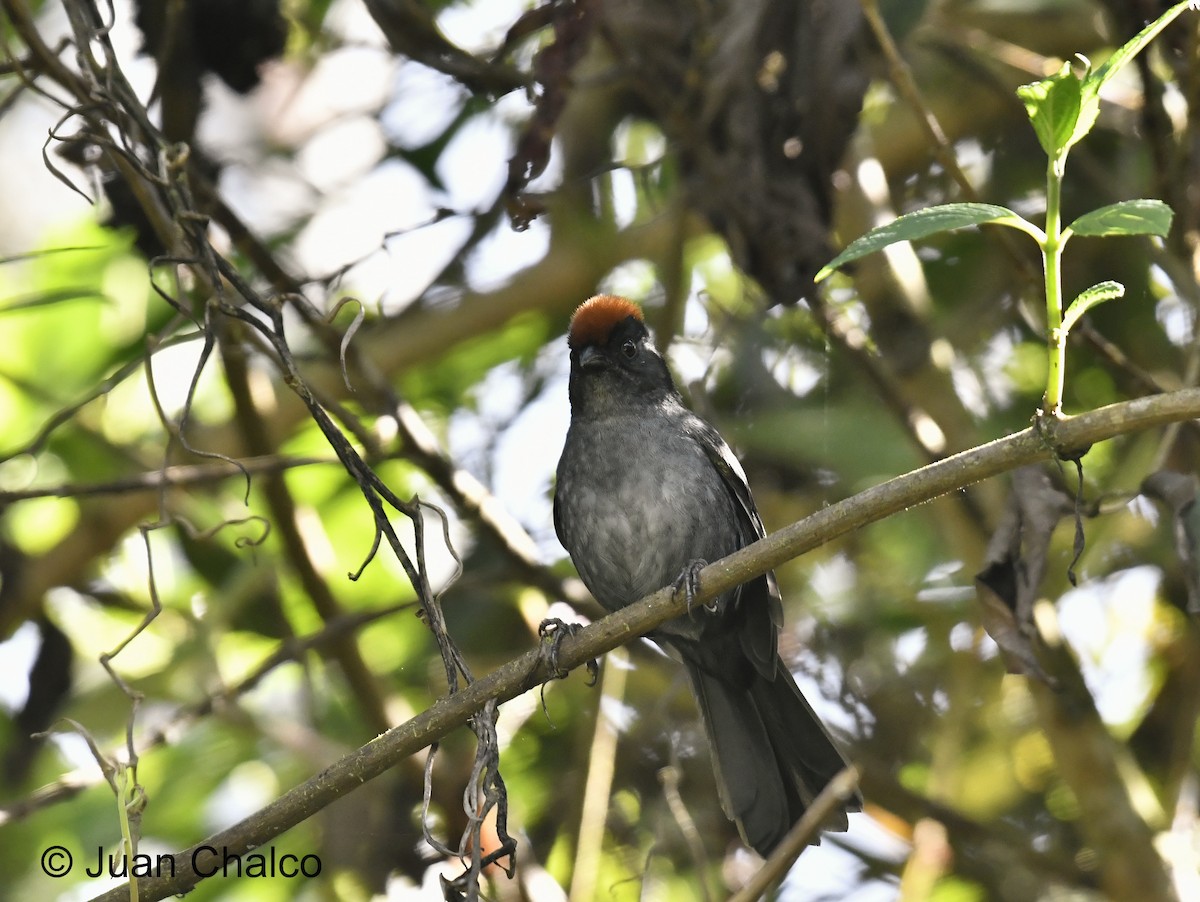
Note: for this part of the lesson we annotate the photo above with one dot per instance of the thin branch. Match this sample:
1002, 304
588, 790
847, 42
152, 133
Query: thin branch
472, 499
669, 778
1101, 774
990, 853
532, 668
597, 789
902, 77
411, 30
293, 649
156, 342
831, 798
253, 427
178, 476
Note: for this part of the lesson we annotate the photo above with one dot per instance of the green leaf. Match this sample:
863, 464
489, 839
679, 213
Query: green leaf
1053, 105
921, 224
1089, 298
33, 255
1093, 81
51, 297
1128, 217
1098, 79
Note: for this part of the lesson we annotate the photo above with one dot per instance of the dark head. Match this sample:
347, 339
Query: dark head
613, 363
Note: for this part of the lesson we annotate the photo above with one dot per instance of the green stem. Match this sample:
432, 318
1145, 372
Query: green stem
1056, 337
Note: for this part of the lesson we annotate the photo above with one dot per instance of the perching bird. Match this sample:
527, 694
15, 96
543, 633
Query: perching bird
646, 491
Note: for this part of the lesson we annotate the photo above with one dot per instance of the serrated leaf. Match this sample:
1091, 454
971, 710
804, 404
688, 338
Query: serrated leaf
1093, 81
1053, 105
920, 224
1089, 112
1128, 217
1131, 48
1089, 298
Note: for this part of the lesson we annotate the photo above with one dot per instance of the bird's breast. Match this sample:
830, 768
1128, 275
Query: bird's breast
636, 504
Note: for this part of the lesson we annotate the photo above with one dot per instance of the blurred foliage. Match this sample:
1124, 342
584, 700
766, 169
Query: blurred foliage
359, 171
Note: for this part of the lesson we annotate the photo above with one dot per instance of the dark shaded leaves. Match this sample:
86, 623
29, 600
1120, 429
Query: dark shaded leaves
572, 24
49, 685
1016, 562
1177, 491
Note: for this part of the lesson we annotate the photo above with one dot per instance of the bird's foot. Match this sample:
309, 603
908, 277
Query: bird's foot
551, 632
688, 582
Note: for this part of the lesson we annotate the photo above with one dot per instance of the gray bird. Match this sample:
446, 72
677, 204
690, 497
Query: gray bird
647, 491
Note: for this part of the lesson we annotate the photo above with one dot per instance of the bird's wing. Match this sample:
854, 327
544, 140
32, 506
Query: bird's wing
558, 525
760, 609
730, 468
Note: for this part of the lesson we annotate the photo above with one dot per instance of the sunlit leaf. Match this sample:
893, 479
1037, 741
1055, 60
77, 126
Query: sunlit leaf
1053, 105
1128, 217
921, 224
1089, 298
1095, 80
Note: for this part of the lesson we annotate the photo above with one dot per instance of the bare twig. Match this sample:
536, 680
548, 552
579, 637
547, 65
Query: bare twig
902, 77
71, 784
157, 174
669, 778
283, 512
830, 799
178, 476
411, 30
598, 786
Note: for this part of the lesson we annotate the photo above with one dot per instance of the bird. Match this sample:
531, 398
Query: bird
646, 492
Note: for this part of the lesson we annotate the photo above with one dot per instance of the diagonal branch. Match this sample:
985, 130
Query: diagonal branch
412, 30
527, 671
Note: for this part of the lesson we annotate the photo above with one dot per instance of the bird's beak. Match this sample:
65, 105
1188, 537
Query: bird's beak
590, 358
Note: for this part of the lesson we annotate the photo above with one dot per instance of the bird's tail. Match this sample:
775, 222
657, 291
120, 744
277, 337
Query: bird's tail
771, 754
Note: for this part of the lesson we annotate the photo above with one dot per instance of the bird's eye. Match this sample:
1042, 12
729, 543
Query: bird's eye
629, 349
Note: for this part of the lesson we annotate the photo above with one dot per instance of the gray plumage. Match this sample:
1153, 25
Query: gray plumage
645, 487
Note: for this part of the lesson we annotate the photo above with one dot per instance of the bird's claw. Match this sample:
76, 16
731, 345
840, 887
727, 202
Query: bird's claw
552, 631
688, 582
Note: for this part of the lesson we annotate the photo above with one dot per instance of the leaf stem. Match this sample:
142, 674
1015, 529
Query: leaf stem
1052, 246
